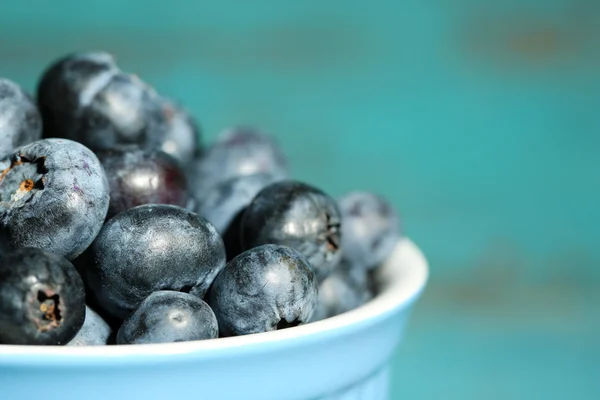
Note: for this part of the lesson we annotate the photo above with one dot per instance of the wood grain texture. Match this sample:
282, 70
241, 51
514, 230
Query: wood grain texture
479, 120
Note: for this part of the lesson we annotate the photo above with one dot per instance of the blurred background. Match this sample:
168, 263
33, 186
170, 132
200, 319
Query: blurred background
479, 119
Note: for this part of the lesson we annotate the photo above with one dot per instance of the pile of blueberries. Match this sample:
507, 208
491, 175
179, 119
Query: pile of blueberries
118, 227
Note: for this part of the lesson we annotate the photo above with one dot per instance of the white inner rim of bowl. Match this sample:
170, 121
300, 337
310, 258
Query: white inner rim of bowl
400, 280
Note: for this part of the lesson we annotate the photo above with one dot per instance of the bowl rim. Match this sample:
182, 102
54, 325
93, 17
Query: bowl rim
401, 278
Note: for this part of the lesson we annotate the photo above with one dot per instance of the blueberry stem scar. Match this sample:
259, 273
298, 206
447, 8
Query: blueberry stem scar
26, 185
50, 308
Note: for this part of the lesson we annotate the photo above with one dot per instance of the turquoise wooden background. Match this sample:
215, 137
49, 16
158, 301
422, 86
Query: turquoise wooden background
479, 119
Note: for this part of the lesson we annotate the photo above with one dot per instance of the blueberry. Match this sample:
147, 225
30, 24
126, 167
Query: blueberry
124, 111
181, 137
167, 316
263, 289
87, 98
237, 151
223, 202
137, 177
42, 300
370, 230
297, 215
20, 120
223, 205
68, 86
54, 196
345, 289
149, 248
94, 332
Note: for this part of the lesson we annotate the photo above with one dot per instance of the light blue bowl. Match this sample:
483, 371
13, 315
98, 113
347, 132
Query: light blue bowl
345, 357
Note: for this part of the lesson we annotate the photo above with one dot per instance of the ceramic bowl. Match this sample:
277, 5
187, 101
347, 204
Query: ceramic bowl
346, 357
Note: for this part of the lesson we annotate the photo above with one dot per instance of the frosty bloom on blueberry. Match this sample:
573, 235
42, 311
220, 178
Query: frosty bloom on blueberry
86, 97
149, 248
41, 298
370, 230
54, 196
263, 289
345, 289
20, 120
224, 205
166, 316
94, 331
238, 151
225, 201
297, 215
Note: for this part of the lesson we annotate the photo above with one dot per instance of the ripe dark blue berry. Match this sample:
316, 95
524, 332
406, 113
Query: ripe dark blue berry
238, 151
370, 230
20, 120
297, 215
345, 289
94, 332
223, 202
54, 196
68, 86
87, 98
148, 248
181, 136
42, 299
167, 316
137, 177
263, 289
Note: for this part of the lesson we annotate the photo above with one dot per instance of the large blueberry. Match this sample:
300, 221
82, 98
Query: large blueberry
94, 332
166, 316
68, 86
263, 289
370, 230
137, 177
42, 300
297, 215
87, 98
237, 151
53, 195
345, 289
20, 120
124, 111
148, 248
